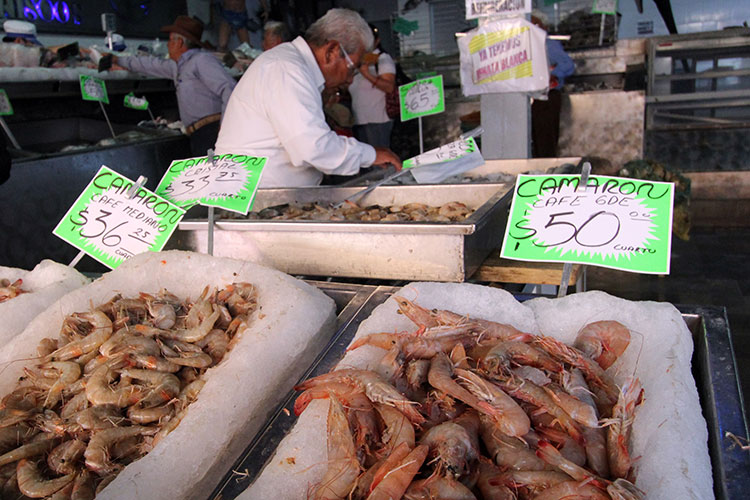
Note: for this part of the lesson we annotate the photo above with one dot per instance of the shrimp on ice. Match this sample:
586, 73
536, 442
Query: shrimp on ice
452, 447
603, 341
438, 487
572, 489
398, 479
99, 391
33, 485
101, 330
97, 451
343, 466
620, 426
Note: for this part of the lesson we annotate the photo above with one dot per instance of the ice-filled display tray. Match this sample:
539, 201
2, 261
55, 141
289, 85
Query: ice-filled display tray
713, 364
426, 251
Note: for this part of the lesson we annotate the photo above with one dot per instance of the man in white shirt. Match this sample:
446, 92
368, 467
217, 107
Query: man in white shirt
276, 109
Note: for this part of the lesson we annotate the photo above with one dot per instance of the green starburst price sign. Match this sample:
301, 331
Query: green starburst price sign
422, 98
6, 109
611, 222
93, 89
111, 221
228, 181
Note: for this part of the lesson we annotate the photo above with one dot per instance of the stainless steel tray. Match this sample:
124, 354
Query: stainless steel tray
382, 250
714, 370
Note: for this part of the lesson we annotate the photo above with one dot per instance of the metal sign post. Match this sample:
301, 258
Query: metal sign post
568, 266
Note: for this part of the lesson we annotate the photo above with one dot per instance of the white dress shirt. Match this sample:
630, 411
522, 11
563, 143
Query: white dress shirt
276, 110
368, 101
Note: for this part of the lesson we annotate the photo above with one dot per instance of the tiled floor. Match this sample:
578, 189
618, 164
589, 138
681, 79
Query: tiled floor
713, 268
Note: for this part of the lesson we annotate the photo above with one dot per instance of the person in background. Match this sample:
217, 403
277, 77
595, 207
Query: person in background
203, 84
274, 33
234, 17
276, 110
5, 159
545, 115
376, 78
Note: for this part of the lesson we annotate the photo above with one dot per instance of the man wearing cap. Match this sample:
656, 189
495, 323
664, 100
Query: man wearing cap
203, 84
277, 109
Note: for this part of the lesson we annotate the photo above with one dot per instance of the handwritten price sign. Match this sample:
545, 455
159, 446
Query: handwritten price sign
449, 152
484, 8
611, 222
133, 102
421, 98
5, 107
228, 181
111, 227
93, 89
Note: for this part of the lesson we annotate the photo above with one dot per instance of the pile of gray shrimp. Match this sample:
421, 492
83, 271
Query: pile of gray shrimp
117, 380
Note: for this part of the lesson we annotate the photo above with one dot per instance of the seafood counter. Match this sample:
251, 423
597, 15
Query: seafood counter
656, 399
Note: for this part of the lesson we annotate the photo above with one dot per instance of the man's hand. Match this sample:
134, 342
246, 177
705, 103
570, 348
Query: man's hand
384, 156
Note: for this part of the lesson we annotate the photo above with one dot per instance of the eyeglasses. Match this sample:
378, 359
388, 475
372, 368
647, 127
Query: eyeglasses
350, 66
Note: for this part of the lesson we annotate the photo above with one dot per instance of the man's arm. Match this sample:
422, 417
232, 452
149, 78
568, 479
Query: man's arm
218, 80
148, 65
562, 65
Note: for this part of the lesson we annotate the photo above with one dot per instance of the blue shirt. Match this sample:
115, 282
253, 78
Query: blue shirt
563, 66
203, 85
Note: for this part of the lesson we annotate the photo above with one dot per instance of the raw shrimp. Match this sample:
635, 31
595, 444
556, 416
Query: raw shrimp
162, 314
32, 484
162, 386
189, 392
33, 449
416, 372
215, 344
580, 411
140, 415
532, 480
622, 489
101, 331
156, 363
389, 462
83, 487
187, 335
595, 438
102, 416
440, 377
619, 427
489, 490
343, 467
397, 429
452, 446
193, 359
444, 488
499, 357
99, 392
123, 341
50, 423
374, 387
395, 482
241, 298
97, 455
569, 448
62, 459
510, 417
508, 452
67, 372
603, 341
572, 489
552, 456
10, 290
13, 436
390, 366
425, 318
74, 405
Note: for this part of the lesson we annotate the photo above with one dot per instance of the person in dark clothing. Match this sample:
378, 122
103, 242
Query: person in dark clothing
4, 159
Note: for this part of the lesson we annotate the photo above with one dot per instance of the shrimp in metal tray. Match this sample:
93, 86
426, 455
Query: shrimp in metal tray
603, 341
32, 484
343, 466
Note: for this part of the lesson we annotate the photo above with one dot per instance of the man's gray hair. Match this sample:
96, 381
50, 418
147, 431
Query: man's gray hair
343, 25
188, 43
278, 29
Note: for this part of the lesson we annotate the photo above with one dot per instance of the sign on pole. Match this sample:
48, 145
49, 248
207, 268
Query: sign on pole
611, 222
228, 181
422, 97
6, 108
93, 89
604, 7
133, 102
111, 226
484, 8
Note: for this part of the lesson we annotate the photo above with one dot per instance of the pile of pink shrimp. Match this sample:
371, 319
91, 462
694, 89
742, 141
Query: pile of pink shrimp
469, 409
10, 290
118, 379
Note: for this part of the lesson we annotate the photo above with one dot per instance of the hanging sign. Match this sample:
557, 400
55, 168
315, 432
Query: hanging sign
611, 222
451, 159
604, 7
110, 226
93, 89
133, 102
422, 97
504, 56
404, 26
229, 181
484, 8
6, 108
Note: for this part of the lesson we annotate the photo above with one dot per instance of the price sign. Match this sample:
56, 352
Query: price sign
93, 89
484, 8
421, 98
133, 102
5, 107
111, 227
605, 7
611, 222
448, 152
229, 181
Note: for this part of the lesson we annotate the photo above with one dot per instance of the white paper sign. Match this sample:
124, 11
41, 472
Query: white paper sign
446, 161
504, 56
484, 8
